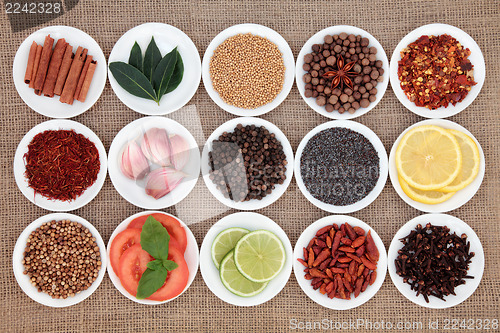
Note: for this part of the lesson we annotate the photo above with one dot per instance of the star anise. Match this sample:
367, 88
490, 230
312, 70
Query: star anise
341, 75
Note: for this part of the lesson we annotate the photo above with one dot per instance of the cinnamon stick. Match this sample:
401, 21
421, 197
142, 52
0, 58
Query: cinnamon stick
87, 81
82, 77
54, 66
44, 64
67, 95
63, 71
31, 62
35, 65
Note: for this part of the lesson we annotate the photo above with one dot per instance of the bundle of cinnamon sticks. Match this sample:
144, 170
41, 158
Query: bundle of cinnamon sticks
58, 71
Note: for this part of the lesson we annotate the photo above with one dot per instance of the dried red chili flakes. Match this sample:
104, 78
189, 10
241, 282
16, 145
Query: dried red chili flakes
61, 164
435, 71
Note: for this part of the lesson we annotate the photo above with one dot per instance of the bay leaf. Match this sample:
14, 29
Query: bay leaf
163, 72
151, 59
132, 80
176, 78
135, 58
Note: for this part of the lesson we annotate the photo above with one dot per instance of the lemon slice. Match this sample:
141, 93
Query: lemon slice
470, 163
225, 242
428, 157
426, 197
235, 282
259, 256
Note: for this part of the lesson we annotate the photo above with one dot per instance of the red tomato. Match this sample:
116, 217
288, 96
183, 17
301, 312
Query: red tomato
176, 279
176, 231
121, 243
132, 264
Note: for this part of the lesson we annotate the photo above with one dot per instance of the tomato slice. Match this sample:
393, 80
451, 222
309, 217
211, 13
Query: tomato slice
132, 264
176, 279
124, 240
173, 226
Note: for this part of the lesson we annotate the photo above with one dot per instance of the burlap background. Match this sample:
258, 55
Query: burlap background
198, 309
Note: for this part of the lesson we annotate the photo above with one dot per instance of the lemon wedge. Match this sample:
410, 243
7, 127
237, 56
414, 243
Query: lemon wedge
428, 158
470, 163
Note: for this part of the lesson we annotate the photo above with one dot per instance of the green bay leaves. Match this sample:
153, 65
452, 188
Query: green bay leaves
132, 80
150, 77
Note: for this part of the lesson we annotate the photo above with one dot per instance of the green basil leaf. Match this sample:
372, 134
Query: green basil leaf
135, 58
163, 72
132, 80
151, 281
151, 59
155, 264
155, 238
176, 78
169, 265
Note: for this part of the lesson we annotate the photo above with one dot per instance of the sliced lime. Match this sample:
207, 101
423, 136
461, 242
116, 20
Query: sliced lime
259, 255
225, 242
235, 282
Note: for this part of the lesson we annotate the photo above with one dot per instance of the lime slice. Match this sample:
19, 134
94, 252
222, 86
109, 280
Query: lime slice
225, 242
259, 255
235, 282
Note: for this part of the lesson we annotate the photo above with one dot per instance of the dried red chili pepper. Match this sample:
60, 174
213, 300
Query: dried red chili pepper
61, 164
435, 71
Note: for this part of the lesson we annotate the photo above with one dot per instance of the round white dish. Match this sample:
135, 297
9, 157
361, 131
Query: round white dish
210, 273
192, 257
462, 196
476, 59
251, 204
261, 31
476, 267
315, 295
383, 166
20, 168
166, 37
317, 38
51, 107
24, 280
134, 191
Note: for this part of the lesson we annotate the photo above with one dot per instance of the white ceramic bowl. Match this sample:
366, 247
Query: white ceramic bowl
210, 273
476, 58
134, 191
261, 31
20, 168
192, 257
166, 37
251, 204
383, 166
51, 107
24, 280
476, 266
318, 39
315, 295
461, 197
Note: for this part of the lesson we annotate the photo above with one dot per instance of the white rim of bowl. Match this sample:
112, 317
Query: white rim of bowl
116, 176
317, 38
462, 197
40, 103
383, 166
56, 205
477, 264
123, 95
315, 295
24, 281
191, 250
254, 221
262, 31
476, 57
251, 204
